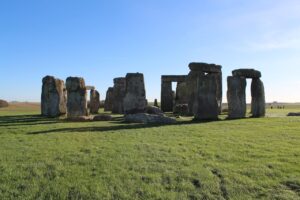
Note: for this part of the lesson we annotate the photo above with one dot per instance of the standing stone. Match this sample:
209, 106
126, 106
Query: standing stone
182, 95
108, 105
135, 98
166, 96
94, 101
77, 97
258, 104
206, 105
236, 97
118, 95
204, 86
53, 99
156, 103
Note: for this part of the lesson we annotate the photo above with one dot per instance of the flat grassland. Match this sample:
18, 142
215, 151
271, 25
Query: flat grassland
44, 158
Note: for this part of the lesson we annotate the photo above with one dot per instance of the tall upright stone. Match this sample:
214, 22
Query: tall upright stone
182, 95
204, 88
118, 95
94, 101
77, 97
236, 97
166, 96
135, 97
53, 98
108, 104
258, 104
155, 103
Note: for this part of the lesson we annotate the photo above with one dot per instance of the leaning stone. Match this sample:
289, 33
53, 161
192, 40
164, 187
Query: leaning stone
149, 119
205, 67
3, 103
135, 98
258, 104
53, 98
94, 101
236, 97
102, 117
293, 114
153, 110
77, 97
247, 73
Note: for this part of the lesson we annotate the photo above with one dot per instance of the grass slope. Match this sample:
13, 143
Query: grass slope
241, 159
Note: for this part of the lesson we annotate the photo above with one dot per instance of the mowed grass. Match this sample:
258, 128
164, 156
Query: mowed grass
44, 158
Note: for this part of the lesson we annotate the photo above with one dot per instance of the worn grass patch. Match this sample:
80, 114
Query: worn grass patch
44, 158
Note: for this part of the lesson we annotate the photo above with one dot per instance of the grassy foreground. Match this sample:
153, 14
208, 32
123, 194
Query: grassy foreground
241, 159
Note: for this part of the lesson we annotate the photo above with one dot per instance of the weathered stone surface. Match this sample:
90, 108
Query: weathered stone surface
218, 77
155, 103
77, 97
166, 96
80, 119
192, 88
135, 97
3, 103
174, 78
205, 106
182, 110
182, 93
53, 98
90, 87
94, 101
205, 67
236, 97
258, 104
247, 73
102, 117
108, 105
153, 110
149, 119
119, 92
291, 114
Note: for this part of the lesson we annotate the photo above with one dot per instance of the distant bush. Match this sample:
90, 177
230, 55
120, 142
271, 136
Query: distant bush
3, 103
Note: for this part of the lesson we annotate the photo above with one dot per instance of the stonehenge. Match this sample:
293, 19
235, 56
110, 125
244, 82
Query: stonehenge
94, 101
198, 94
77, 97
135, 94
53, 98
119, 92
236, 94
108, 105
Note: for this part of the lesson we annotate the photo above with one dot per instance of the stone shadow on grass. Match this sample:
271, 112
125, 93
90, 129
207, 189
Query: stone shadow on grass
23, 120
121, 126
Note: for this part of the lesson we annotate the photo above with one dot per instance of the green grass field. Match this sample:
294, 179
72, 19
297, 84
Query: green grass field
44, 158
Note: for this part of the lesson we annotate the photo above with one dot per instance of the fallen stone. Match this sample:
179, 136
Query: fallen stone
80, 119
102, 117
154, 110
149, 119
247, 73
293, 114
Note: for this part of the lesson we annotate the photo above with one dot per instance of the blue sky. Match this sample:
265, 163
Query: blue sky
100, 40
